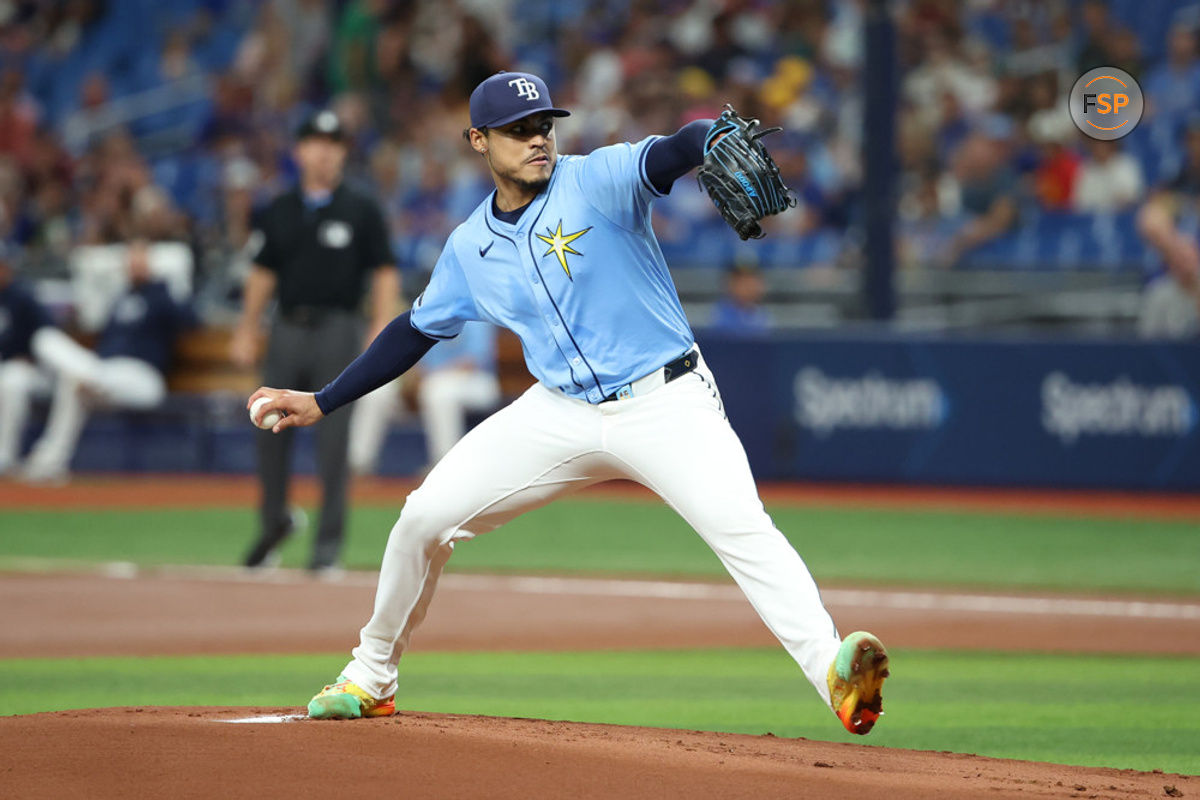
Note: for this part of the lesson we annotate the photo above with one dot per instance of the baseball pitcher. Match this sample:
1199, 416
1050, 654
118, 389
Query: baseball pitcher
562, 253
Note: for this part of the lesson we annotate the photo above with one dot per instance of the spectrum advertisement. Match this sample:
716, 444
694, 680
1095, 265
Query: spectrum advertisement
923, 409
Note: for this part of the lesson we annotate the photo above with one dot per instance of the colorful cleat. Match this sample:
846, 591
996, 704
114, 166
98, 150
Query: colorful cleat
345, 700
855, 679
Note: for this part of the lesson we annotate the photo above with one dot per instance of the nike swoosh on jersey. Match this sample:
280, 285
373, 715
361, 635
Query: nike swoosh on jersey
483, 251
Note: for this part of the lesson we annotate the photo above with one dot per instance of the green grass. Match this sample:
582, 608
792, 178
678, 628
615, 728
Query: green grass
892, 546
1138, 713
1127, 712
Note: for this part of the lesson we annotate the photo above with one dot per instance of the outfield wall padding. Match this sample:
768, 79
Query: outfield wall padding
869, 407
966, 411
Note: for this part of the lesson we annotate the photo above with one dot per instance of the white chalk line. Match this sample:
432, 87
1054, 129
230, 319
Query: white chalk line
898, 600
268, 719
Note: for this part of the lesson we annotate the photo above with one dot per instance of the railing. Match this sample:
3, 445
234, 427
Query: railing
85, 125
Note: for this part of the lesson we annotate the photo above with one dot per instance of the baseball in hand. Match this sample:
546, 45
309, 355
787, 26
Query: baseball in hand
269, 419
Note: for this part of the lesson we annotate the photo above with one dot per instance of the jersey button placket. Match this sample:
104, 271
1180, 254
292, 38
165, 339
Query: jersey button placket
556, 325
553, 323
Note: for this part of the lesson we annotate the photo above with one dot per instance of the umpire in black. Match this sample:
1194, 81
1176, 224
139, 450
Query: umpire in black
324, 248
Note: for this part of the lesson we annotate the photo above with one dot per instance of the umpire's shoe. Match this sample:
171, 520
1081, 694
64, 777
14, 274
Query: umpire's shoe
855, 679
265, 552
345, 700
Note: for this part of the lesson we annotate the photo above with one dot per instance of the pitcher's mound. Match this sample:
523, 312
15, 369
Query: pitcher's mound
276, 752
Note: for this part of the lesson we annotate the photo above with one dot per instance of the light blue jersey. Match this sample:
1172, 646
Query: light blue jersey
580, 278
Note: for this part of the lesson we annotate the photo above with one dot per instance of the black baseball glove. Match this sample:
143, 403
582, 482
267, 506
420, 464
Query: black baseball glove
739, 174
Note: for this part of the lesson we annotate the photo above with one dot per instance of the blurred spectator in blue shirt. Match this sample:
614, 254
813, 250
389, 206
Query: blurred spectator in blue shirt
987, 190
1173, 87
924, 231
1168, 223
1186, 181
740, 311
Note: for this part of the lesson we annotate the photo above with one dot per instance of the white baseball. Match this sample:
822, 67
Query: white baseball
269, 419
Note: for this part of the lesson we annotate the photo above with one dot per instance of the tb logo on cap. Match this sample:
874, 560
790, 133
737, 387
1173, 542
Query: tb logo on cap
525, 88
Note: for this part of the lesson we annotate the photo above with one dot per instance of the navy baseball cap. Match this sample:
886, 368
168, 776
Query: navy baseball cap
323, 123
508, 96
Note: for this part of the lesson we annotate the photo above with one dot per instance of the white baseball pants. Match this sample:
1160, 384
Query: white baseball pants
372, 414
674, 440
83, 379
446, 396
19, 382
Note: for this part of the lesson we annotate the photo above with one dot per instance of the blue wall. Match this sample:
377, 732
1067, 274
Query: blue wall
863, 408
1020, 412
185, 440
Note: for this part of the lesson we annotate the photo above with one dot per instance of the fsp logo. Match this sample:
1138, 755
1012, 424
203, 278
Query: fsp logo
1106, 103
525, 88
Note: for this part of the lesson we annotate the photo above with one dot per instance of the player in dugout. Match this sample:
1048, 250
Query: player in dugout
562, 253
22, 318
127, 369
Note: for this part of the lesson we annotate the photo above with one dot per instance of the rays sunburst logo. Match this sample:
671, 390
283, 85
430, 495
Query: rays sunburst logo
560, 245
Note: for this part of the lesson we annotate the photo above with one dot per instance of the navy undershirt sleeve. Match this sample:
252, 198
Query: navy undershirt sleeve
672, 157
395, 349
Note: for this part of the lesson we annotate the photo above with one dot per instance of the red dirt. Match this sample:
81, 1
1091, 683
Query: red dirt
159, 752
185, 753
166, 613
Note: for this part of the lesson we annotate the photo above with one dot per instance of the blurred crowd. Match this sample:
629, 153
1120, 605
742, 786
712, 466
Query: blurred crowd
986, 144
173, 121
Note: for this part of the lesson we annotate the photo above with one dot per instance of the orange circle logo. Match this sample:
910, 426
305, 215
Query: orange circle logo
1106, 103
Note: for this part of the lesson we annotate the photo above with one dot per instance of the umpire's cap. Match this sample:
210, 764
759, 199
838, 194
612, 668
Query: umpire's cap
508, 96
324, 124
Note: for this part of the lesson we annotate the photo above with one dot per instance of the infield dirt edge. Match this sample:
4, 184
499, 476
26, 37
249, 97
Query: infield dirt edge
186, 753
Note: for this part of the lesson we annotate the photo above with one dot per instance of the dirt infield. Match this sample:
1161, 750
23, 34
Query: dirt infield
160, 752
189, 753
219, 611
186, 753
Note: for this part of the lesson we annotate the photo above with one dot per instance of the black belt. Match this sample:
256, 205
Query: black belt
672, 370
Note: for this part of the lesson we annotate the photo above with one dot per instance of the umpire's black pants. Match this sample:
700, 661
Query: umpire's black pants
306, 353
